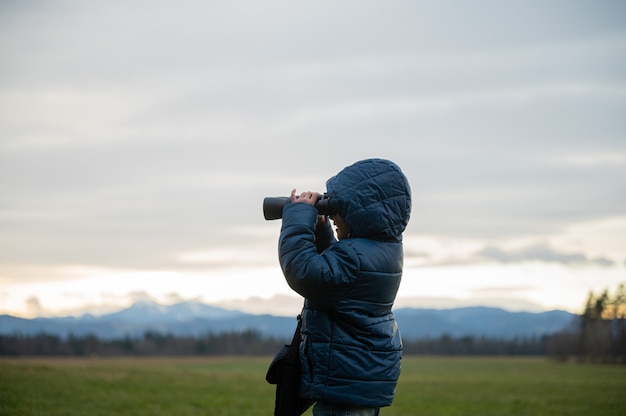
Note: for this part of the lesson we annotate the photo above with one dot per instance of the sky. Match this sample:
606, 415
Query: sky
139, 138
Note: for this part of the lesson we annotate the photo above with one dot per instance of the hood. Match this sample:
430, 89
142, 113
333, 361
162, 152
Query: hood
373, 197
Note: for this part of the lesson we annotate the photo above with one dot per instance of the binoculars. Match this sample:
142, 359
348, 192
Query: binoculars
273, 206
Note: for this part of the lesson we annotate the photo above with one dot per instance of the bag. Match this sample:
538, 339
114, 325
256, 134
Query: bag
284, 371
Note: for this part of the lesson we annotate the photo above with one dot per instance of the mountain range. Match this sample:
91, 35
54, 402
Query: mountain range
197, 319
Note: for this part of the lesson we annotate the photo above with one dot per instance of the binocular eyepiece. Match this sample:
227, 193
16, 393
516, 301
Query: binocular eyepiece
273, 206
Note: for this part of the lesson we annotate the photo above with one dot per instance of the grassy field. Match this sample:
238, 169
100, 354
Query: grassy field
236, 386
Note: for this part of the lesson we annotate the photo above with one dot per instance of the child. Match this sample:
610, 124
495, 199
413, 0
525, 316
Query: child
351, 348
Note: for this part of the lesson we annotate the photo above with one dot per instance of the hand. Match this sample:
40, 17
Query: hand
305, 197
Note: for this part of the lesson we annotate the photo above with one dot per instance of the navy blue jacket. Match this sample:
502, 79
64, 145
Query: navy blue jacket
351, 347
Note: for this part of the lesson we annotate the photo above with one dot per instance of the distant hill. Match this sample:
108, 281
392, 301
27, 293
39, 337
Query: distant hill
195, 319
480, 321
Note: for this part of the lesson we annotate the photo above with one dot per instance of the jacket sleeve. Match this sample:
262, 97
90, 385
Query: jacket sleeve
324, 237
321, 277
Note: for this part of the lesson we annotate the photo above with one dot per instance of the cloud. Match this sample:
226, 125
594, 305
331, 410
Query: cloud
285, 305
492, 299
230, 257
33, 306
542, 253
140, 296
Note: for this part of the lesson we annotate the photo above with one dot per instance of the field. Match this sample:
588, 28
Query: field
236, 386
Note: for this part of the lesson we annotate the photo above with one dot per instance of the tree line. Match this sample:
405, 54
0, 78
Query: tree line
600, 333
469, 345
152, 343
241, 343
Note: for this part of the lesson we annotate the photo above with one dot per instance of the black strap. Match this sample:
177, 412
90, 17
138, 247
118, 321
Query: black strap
292, 355
285, 373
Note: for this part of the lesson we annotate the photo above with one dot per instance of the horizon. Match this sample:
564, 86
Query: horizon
293, 303
261, 297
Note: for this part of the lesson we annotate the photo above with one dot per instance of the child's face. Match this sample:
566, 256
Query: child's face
340, 226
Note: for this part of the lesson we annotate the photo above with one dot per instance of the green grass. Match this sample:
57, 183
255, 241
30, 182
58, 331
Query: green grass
236, 386
508, 386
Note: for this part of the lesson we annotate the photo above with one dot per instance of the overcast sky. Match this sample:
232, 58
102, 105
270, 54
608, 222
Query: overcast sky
138, 139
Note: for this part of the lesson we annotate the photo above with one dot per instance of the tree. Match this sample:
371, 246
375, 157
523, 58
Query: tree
603, 327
